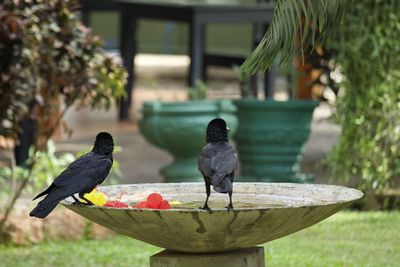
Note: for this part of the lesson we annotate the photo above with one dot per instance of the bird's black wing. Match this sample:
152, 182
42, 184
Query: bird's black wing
88, 169
76, 167
204, 161
223, 161
216, 162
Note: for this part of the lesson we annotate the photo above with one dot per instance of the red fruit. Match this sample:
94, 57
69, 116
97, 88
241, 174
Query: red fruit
164, 205
142, 205
120, 205
115, 204
109, 204
154, 200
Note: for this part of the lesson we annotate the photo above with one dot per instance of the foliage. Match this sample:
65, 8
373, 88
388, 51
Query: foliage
199, 91
45, 51
17, 79
289, 18
369, 107
47, 166
49, 61
333, 242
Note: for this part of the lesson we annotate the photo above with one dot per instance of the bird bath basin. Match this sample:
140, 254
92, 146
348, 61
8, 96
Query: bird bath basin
262, 212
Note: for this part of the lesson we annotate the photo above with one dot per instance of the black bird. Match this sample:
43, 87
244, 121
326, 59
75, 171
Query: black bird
81, 177
217, 161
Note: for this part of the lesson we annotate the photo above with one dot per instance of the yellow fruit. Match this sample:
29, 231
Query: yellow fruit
97, 198
175, 202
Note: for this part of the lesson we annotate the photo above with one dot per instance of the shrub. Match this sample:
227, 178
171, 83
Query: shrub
368, 108
49, 62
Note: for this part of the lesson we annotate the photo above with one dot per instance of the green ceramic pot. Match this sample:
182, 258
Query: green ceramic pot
271, 137
179, 128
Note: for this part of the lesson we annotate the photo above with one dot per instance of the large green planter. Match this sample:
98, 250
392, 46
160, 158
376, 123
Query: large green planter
271, 138
179, 128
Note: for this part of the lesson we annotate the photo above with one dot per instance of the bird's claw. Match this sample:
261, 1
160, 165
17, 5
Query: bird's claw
229, 207
89, 203
81, 204
205, 207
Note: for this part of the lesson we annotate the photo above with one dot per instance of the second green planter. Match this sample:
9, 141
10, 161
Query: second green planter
271, 138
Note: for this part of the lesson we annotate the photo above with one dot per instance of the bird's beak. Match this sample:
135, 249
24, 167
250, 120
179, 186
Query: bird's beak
227, 128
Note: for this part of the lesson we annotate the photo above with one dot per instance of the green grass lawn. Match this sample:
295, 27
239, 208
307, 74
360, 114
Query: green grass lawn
345, 239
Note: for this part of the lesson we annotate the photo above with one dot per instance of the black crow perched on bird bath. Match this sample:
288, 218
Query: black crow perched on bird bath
81, 177
218, 161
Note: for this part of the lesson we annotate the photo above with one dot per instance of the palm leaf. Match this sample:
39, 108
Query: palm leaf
295, 21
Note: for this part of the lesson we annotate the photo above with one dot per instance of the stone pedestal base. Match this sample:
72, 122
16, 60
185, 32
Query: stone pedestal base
250, 257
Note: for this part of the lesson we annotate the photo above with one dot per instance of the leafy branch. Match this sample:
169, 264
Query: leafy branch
295, 21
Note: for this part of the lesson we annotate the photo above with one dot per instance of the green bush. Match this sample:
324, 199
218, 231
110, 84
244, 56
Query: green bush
49, 62
369, 107
45, 53
46, 168
198, 92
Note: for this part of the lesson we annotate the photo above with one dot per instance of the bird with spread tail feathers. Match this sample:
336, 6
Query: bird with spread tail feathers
81, 177
217, 161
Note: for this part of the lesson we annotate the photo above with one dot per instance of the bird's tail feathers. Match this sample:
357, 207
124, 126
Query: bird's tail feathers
41, 212
45, 206
222, 183
45, 192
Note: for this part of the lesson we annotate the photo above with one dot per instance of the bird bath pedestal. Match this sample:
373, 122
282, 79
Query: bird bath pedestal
193, 237
248, 257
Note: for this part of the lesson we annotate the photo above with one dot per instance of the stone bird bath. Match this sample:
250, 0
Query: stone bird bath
263, 212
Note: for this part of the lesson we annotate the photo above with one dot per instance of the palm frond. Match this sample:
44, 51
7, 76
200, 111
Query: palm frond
295, 21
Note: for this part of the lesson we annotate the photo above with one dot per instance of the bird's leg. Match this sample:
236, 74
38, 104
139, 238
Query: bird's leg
88, 202
208, 192
230, 205
77, 201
